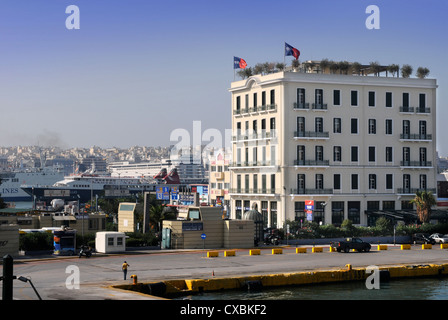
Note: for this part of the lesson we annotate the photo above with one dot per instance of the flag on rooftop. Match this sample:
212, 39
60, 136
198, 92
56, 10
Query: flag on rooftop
239, 63
291, 51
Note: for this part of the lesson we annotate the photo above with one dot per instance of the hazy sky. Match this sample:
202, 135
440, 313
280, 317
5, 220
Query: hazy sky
136, 69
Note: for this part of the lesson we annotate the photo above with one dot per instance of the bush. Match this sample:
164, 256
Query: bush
137, 239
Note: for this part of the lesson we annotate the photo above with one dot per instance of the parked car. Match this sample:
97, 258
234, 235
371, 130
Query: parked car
351, 243
422, 238
439, 238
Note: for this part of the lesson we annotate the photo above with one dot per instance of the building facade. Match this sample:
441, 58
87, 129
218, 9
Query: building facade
353, 145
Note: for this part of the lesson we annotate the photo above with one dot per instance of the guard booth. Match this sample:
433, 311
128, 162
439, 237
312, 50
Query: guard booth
110, 241
188, 231
257, 218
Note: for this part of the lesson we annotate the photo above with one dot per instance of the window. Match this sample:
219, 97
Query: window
337, 97
301, 183
388, 126
337, 125
263, 184
337, 153
354, 98
423, 158
238, 103
389, 154
354, 126
319, 181
354, 182
263, 98
255, 100
319, 124
354, 154
406, 155
110, 241
272, 97
272, 124
246, 183
422, 129
337, 181
405, 100
389, 181
254, 126
119, 241
423, 182
422, 102
272, 183
337, 212
354, 209
318, 99
388, 99
300, 98
299, 210
372, 126
300, 155
371, 98
300, 125
238, 209
372, 181
406, 183
238, 183
319, 153
255, 183
372, 157
406, 129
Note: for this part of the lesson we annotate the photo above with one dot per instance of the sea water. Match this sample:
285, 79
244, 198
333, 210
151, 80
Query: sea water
396, 289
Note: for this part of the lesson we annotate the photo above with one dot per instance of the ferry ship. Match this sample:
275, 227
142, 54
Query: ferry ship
85, 187
11, 181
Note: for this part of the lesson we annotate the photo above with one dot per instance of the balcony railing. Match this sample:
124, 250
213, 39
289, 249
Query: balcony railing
265, 108
252, 164
300, 106
415, 163
311, 191
320, 106
253, 191
423, 110
311, 163
407, 109
311, 134
415, 136
414, 190
254, 136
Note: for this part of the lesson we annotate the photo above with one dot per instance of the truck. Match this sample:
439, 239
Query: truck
351, 243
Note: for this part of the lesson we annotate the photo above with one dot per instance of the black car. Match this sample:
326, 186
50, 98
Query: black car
422, 238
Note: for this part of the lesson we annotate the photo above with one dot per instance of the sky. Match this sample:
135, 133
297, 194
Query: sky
137, 70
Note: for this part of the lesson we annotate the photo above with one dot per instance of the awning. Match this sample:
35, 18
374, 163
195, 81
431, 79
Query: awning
64, 218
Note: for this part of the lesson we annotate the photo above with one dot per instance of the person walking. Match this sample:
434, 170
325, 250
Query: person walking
124, 267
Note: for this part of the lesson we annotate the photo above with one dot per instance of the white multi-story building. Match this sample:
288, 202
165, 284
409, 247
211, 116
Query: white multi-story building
357, 146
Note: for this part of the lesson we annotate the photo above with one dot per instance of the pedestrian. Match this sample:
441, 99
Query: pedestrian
124, 267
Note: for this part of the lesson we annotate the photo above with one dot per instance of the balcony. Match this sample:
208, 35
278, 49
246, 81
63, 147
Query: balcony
423, 110
254, 136
319, 106
301, 106
268, 191
247, 111
312, 163
413, 191
416, 137
407, 109
251, 164
416, 164
307, 191
311, 135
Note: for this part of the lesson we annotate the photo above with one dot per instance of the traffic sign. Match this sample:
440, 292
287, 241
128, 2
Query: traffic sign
203, 236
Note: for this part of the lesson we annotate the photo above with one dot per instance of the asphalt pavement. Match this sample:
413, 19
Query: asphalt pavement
73, 278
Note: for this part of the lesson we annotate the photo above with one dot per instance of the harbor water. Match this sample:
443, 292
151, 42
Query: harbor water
395, 289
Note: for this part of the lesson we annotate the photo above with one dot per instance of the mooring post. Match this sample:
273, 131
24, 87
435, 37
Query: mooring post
7, 277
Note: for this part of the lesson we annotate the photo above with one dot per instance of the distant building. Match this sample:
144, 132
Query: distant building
219, 179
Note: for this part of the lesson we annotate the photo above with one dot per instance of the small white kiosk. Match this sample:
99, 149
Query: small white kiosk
110, 241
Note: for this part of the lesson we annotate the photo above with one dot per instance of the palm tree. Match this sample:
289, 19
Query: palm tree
343, 67
422, 72
424, 200
280, 66
158, 213
406, 71
376, 68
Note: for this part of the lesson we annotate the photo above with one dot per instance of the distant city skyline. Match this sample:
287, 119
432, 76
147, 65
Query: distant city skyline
138, 70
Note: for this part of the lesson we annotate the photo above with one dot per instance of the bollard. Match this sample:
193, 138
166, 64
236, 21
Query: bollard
254, 252
349, 266
405, 247
301, 250
212, 254
316, 249
134, 279
7, 277
229, 253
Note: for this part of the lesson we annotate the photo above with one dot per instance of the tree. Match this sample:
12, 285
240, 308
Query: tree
422, 72
280, 66
245, 73
343, 67
424, 200
324, 64
356, 68
406, 71
158, 213
393, 68
376, 68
